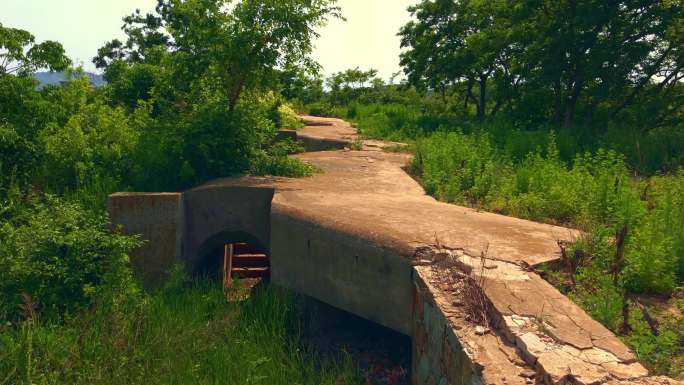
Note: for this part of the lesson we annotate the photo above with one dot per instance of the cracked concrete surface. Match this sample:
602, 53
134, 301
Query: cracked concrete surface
552, 334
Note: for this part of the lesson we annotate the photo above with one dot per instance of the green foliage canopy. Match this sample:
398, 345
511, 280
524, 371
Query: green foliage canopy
560, 57
21, 55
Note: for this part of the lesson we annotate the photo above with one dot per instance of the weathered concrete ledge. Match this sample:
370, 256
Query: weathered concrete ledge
363, 236
158, 218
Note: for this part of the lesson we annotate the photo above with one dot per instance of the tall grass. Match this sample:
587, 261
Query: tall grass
645, 151
185, 334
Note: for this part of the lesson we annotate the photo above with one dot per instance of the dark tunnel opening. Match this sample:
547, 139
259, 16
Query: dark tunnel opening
382, 354
233, 255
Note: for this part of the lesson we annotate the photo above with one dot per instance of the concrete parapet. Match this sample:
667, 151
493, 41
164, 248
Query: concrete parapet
438, 356
214, 216
157, 217
312, 143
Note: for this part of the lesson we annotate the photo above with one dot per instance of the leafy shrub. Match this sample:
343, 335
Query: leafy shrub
59, 255
95, 142
320, 109
288, 117
275, 161
456, 167
18, 156
280, 112
656, 257
594, 192
210, 142
659, 351
600, 298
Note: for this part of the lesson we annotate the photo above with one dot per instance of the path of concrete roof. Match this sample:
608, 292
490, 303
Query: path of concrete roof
368, 195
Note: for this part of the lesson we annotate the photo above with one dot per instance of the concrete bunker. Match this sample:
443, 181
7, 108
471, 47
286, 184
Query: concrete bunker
355, 280
362, 255
343, 270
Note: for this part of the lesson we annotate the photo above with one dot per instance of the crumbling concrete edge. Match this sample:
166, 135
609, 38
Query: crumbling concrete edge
533, 350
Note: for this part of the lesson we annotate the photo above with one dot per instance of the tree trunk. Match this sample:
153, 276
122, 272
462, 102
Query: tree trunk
496, 108
235, 97
482, 103
470, 95
558, 102
571, 107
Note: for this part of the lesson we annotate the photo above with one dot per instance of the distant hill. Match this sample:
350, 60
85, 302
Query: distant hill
46, 78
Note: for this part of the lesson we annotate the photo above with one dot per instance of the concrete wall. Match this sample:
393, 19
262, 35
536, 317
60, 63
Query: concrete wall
312, 144
216, 215
341, 271
438, 357
157, 218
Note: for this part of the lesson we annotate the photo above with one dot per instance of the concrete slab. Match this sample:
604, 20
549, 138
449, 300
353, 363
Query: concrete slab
537, 332
367, 193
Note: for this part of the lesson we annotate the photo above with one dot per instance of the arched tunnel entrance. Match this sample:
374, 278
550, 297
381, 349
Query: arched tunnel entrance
233, 255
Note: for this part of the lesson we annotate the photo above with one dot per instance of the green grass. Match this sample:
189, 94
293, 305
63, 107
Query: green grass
185, 334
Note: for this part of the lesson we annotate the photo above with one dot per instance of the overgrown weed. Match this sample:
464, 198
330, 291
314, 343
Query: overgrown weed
185, 333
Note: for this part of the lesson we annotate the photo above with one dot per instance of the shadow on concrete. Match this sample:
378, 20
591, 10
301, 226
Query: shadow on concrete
382, 354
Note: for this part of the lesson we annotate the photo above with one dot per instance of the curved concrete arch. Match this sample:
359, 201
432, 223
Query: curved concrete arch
212, 212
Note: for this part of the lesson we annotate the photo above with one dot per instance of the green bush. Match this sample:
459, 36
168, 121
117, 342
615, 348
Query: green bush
275, 161
94, 143
456, 167
320, 109
658, 351
57, 257
18, 157
288, 117
209, 143
656, 258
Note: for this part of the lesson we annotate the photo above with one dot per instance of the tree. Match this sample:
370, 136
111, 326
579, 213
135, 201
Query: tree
452, 42
350, 84
306, 86
202, 69
19, 54
593, 51
145, 36
561, 56
241, 45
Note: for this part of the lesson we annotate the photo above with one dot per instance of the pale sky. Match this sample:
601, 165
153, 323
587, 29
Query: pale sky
367, 39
